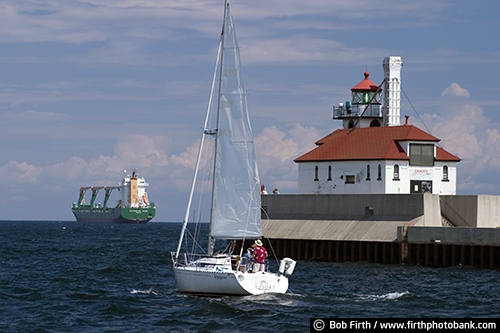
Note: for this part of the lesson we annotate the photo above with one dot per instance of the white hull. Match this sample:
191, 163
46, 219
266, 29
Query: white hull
228, 282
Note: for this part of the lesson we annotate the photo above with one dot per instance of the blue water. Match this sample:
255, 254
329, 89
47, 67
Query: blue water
71, 277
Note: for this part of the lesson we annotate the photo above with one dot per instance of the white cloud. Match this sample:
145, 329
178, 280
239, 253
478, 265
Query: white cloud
455, 90
466, 132
20, 173
276, 151
135, 151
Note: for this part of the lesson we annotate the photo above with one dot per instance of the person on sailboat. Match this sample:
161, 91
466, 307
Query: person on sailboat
259, 257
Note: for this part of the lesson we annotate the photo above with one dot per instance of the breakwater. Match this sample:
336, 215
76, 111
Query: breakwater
417, 229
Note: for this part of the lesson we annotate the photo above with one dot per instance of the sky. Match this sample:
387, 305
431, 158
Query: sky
91, 88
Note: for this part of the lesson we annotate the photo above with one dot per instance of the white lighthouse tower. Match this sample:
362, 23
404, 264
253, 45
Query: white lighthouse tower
391, 108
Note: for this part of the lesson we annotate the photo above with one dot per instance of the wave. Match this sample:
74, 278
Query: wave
389, 296
150, 291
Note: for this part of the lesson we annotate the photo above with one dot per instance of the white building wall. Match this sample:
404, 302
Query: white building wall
442, 186
344, 172
398, 185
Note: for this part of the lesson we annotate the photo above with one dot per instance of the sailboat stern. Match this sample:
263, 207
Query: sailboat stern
262, 282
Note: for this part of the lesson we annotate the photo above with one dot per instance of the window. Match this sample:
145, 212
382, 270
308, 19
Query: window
379, 172
349, 179
368, 172
445, 174
422, 154
316, 173
364, 97
329, 173
396, 172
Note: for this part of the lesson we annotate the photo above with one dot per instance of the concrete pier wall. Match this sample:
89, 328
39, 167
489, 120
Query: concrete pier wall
477, 211
359, 207
384, 228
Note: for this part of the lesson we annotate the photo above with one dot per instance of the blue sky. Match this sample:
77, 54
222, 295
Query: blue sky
90, 88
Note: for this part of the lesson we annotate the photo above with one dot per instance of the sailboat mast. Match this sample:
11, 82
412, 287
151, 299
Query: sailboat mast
227, 14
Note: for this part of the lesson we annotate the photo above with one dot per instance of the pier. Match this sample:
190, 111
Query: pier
416, 229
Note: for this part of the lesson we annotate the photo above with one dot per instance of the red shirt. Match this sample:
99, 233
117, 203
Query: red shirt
259, 254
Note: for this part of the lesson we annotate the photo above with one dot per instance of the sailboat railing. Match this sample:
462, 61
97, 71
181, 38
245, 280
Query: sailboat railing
221, 262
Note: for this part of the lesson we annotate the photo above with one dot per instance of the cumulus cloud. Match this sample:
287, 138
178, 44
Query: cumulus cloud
18, 173
136, 151
276, 151
455, 90
466, 132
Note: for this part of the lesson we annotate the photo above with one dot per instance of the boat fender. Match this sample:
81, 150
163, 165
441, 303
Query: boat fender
287, 266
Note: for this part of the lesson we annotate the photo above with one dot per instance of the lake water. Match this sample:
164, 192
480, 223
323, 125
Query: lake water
70, 277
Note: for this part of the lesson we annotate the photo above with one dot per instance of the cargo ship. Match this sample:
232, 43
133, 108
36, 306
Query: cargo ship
133, 207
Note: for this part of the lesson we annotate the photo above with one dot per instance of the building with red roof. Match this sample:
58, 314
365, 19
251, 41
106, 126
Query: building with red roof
373, 153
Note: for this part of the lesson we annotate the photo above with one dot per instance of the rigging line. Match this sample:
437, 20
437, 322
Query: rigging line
198, 158
418, 116
195, 244
268, 240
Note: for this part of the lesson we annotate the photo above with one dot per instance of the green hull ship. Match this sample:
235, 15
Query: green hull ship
133, 208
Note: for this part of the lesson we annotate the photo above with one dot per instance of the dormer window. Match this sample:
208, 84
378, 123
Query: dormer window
421, 154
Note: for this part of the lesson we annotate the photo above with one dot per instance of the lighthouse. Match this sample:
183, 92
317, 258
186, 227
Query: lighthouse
374, 153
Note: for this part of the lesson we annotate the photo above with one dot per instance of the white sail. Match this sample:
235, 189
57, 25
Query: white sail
236, 189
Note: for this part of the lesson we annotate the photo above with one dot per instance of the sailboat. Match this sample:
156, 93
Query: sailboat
235, 204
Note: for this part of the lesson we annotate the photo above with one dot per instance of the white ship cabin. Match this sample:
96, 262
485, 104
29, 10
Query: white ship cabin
374, 153
133, 190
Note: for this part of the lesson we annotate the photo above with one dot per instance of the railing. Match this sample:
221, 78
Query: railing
342, 111
204, 262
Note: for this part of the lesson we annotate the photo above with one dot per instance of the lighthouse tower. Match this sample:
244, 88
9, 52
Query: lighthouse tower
392, 90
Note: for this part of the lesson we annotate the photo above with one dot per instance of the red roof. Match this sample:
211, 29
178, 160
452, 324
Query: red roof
371, 143
366, 84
